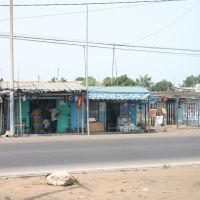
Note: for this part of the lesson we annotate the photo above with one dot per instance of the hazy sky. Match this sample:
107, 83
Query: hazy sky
176, 24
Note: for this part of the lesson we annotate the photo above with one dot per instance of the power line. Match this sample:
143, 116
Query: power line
168, 25
146, 49
100, 43
89, 3
75, 12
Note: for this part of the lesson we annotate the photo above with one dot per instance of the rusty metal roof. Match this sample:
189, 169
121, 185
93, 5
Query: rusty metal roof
43, 86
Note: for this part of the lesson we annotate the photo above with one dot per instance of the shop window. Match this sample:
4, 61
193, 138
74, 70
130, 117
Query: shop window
191, 111
94, 110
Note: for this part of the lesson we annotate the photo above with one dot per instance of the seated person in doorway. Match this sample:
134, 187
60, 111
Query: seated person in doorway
46, 125
54, 114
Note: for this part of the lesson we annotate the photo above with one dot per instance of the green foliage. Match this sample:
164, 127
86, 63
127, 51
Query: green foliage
163, 85
91, 80
54, 79
122, 80
62, 79
108, 81
80, 78
191, 81
144, 81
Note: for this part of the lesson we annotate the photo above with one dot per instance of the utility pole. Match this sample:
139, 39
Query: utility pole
113, 63
177, 102
38, 78
12, 127
18, 74
58, 72
86, 72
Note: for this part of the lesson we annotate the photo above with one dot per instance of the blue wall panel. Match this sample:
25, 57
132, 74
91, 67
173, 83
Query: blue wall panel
74, 116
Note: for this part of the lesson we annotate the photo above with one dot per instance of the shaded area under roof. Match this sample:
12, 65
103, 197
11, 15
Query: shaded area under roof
118, 93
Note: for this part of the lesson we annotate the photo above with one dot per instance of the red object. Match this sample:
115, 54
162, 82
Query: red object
164, 99
79, 101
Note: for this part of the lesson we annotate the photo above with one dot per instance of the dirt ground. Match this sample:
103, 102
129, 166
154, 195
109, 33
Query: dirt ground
166, 183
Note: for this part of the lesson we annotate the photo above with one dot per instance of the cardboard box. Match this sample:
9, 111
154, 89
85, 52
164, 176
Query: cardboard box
96, 127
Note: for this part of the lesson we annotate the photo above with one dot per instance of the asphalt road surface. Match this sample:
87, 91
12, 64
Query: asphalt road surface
101, 153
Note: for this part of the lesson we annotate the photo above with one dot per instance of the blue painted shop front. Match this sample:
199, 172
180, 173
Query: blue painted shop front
121, 109
189, 112
76, 116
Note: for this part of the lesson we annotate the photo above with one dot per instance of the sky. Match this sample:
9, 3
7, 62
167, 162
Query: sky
169, 24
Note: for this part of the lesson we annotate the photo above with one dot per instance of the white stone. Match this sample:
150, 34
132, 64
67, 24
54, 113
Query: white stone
7, 134
61, 179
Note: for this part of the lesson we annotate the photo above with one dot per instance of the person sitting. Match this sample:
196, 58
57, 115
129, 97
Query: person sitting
46, 125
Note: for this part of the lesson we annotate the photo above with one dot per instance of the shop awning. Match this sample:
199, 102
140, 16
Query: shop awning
118, 93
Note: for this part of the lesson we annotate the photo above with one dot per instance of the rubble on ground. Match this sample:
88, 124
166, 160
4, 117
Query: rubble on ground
61, 179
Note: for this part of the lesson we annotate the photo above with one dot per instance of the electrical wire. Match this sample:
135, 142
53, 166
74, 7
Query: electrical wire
168, 25
147, 49
100, 43
75, 12
89, 3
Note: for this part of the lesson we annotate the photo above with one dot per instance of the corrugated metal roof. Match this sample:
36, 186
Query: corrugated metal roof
117, 89
118, 93
44, 86
175, 94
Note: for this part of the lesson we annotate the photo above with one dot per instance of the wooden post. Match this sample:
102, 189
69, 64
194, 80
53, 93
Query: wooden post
83, 103
1, 118
148, 115
145, 113
105, 112
187, 123
17, 124
176, 112
198, 110
78, 121
20, 114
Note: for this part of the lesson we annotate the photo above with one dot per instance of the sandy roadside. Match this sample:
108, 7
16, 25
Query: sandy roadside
173, 183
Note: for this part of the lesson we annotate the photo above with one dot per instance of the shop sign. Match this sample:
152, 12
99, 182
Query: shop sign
118, 96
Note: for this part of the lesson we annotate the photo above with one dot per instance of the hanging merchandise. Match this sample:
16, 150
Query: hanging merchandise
152, 112
79, 102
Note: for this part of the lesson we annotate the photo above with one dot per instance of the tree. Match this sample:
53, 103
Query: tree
54, 79
62, 79
144, 81
79, 78
163, 85
191, 81
108, 81
91, 80
122, 80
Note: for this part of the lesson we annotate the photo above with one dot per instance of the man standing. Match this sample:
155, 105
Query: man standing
54, 114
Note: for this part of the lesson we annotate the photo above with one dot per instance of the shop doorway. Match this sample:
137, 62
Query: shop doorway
39, 111
112, 114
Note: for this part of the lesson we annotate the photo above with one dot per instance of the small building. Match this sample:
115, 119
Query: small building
118, 108
33, 101
181, 107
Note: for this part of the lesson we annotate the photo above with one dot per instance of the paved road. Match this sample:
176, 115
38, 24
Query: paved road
79, 154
